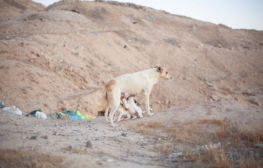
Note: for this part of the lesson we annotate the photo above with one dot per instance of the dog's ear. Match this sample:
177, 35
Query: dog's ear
159, 69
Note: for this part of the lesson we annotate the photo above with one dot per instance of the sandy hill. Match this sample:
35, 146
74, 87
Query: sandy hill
13, 8
49, 55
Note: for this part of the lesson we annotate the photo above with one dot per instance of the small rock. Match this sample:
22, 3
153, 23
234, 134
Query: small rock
110, 160
124, 134
33, 137
88, 144
124, 46
233, 155
44, 137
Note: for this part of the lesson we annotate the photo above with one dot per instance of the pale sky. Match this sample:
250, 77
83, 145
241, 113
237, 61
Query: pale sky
246, 14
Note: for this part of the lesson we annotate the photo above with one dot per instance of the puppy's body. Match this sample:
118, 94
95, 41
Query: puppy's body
129, 108
133, 83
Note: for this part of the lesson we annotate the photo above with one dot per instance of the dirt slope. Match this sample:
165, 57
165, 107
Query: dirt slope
50, 55
13, 8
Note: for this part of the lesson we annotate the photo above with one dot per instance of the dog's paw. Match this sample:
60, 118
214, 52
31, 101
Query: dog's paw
114, 125
150, 114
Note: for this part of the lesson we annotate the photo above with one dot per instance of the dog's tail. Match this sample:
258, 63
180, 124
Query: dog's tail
104, 101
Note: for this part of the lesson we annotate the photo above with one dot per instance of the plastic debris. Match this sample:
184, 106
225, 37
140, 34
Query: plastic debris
2, 104
13, 109
206, 147
77, 115
37, 114
59, 115
41, 115
175, 154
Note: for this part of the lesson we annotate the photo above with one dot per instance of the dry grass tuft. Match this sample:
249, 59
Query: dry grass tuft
14, 158
204, 132
215, 121
164, 148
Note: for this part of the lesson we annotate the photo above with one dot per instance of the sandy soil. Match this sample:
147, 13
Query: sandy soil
89, 143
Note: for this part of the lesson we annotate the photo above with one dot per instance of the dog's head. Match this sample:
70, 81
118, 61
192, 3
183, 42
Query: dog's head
163, 72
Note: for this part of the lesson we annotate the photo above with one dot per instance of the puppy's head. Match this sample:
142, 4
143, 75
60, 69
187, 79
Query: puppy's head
163, 72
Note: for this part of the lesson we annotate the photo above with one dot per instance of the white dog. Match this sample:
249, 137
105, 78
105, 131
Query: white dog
129, 108
134, 83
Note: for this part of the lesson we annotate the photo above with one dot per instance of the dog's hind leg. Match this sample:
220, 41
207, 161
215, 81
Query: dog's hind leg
113, 110
107, 113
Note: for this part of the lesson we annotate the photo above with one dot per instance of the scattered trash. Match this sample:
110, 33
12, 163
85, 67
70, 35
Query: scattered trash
175, 154
88, 144
13, 109
259, 145
59, 115
2, 104
40, 114
150, 16
37, 114
206, 147
93, 32
233, 155
77, 115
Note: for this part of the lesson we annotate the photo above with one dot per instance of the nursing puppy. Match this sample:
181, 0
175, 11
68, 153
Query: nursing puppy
130, 108
133, 83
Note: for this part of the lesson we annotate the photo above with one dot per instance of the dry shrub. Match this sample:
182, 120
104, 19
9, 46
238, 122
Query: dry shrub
15, 158
249, 162
164, 148
215, 121
212, 158
217, 157
75, 150
208, 131
154, 124
237, 135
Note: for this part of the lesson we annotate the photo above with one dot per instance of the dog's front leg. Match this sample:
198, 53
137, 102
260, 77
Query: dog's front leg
147, 103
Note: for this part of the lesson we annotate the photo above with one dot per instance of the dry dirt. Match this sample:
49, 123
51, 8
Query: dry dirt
60, 57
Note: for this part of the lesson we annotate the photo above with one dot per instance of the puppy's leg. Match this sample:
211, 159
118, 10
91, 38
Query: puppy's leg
121, 114
139, 110
128, 116
147, 103
134, 117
